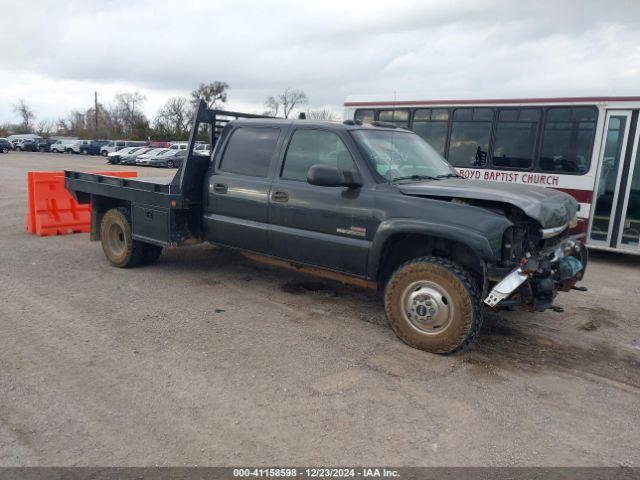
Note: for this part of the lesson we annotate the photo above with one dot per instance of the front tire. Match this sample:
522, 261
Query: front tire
170, 164
433, 304
5, 150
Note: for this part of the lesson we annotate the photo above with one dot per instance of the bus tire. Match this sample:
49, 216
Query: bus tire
434, 305
118, 245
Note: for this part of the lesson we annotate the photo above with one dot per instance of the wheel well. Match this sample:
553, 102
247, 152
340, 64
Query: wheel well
99, 206
401, 248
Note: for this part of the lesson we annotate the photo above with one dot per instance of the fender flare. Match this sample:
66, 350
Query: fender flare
488, 248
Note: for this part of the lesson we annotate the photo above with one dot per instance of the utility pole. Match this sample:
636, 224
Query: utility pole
95, 110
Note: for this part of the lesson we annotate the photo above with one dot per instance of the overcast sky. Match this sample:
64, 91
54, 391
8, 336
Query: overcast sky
56, 53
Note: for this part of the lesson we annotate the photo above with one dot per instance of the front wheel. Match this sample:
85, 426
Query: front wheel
104, 153
170, 163
433, 304
5, 150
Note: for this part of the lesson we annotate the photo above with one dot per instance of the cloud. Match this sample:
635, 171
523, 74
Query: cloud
56, 57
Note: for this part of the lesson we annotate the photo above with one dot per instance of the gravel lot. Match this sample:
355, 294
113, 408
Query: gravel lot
206, 358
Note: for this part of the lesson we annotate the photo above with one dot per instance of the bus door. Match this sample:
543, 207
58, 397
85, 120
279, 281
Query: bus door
615, 214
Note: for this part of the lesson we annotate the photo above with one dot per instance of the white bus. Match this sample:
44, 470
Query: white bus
585, 146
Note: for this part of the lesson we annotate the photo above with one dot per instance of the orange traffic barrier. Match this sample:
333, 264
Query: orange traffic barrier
51, 210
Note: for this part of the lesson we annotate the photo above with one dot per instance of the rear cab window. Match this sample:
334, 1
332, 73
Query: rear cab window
249, 151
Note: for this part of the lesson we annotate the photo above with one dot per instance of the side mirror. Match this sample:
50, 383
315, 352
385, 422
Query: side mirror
327, 176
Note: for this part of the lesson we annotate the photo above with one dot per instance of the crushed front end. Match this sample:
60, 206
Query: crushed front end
536, 264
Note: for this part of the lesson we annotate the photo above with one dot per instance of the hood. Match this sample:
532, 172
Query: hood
551, 208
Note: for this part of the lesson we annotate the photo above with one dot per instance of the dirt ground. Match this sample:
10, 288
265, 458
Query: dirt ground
206, 358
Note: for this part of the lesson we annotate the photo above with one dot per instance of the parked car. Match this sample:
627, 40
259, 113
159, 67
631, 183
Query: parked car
129, 157
159, 144
27, 144
62, 146
179, 146
202, 149
75, 146
115, 145
5, 145
374, 205
44, 144
92, 147
114, 157
170, 159
146, 158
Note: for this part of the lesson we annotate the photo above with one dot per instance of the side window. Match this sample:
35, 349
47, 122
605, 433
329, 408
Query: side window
470, 133
567, 139
400, 118
313, 147
431, 125
516, 135
249, 151
365, 116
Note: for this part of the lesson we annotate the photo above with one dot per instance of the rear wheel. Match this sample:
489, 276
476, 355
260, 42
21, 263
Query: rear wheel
104, 153
5, 150
170, 163
433, 304
119, 247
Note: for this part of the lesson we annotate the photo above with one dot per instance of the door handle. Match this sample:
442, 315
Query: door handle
280, 196
220, 188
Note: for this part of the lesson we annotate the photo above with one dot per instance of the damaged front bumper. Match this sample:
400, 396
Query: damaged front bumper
538, 279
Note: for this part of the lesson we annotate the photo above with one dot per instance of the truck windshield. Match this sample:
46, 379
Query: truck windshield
397, 155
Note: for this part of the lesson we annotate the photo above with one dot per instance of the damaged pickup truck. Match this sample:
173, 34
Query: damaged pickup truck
373, 205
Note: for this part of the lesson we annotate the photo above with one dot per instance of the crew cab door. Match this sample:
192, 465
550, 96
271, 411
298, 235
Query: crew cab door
330, 227
238, 182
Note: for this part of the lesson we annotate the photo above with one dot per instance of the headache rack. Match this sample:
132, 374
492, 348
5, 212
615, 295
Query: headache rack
187, 180
164, 213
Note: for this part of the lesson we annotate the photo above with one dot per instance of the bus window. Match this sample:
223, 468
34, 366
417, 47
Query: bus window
470, 132
567, 139
365, 116
431, 125
516, 134
400, 118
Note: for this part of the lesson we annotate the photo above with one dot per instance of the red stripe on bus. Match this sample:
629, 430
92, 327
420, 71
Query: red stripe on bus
492, 101
582, 196
580, 228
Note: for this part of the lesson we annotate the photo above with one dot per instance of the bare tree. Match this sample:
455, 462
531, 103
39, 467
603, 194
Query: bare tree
273, 107
289, 98
45, 127
173, 118
214, 94
25, 113
323, 114
128, 105
73, 124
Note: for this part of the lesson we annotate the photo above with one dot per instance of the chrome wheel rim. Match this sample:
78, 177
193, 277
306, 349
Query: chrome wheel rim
427, 307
